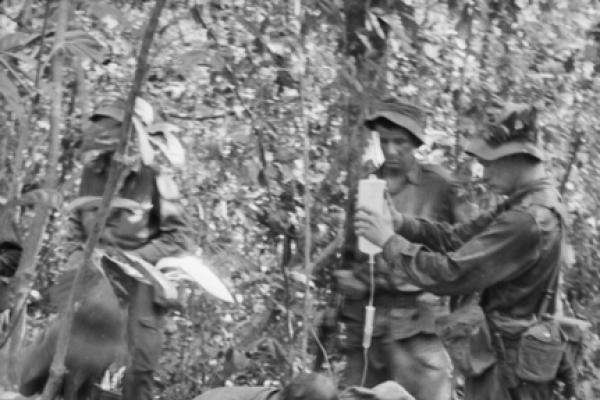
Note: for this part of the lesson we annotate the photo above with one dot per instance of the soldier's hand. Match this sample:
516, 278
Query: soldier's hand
373, 226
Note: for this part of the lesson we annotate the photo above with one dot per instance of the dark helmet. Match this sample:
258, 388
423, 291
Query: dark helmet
401, 113
511, 130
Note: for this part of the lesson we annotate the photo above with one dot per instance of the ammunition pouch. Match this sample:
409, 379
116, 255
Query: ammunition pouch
540, 352
544, 345
466, 336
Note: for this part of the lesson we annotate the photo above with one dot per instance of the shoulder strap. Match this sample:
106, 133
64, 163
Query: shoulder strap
552, 292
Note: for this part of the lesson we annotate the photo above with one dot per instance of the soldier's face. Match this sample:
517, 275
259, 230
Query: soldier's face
501, 175
398, 147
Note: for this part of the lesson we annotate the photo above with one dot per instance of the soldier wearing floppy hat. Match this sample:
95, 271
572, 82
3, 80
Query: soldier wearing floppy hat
160, 230
401, 114
510, 254
149, 222
511, 130
404, 346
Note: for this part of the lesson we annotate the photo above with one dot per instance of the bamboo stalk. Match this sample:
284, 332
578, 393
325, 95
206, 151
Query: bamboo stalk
118, 167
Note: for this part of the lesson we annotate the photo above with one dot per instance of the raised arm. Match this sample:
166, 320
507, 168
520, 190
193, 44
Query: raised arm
509, 241
441, 236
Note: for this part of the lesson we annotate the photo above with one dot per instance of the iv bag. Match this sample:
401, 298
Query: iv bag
370, 196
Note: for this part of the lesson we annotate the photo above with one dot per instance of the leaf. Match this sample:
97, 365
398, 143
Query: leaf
206, 57
432, 51
145, 149
144, 111
350, 81
331, 10
83, 44
170, 147
11, 94
278, 48
13, 40
407, 16
374, 21
102, 9
198, 272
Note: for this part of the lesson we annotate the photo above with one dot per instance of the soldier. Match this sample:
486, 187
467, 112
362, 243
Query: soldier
308, 386
157, 230
510, 254
405, 347
151, 226
305, 386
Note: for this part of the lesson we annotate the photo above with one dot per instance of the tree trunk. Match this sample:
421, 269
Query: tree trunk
114, 181
26, 270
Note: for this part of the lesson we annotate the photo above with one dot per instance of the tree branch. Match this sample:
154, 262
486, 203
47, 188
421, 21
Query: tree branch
24, 276
577, 142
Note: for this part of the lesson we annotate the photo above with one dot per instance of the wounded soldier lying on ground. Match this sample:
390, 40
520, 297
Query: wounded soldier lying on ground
308, 386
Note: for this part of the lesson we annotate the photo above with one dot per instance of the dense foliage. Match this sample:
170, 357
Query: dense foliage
245, 82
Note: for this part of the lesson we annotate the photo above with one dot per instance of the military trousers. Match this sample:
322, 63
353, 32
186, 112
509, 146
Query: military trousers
419, 363
145, 339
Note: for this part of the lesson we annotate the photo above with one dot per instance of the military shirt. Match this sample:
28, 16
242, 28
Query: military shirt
157, 229
510, 257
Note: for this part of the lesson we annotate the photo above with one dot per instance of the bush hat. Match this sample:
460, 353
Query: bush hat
401, 113
511, 130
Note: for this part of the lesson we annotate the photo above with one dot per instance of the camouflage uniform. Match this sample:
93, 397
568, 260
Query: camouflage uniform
156, 229
404, 346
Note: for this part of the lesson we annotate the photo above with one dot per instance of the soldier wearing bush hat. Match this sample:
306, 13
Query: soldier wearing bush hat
405, 347
147, 220
511, 130
147, 236
401, 114
511, 255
